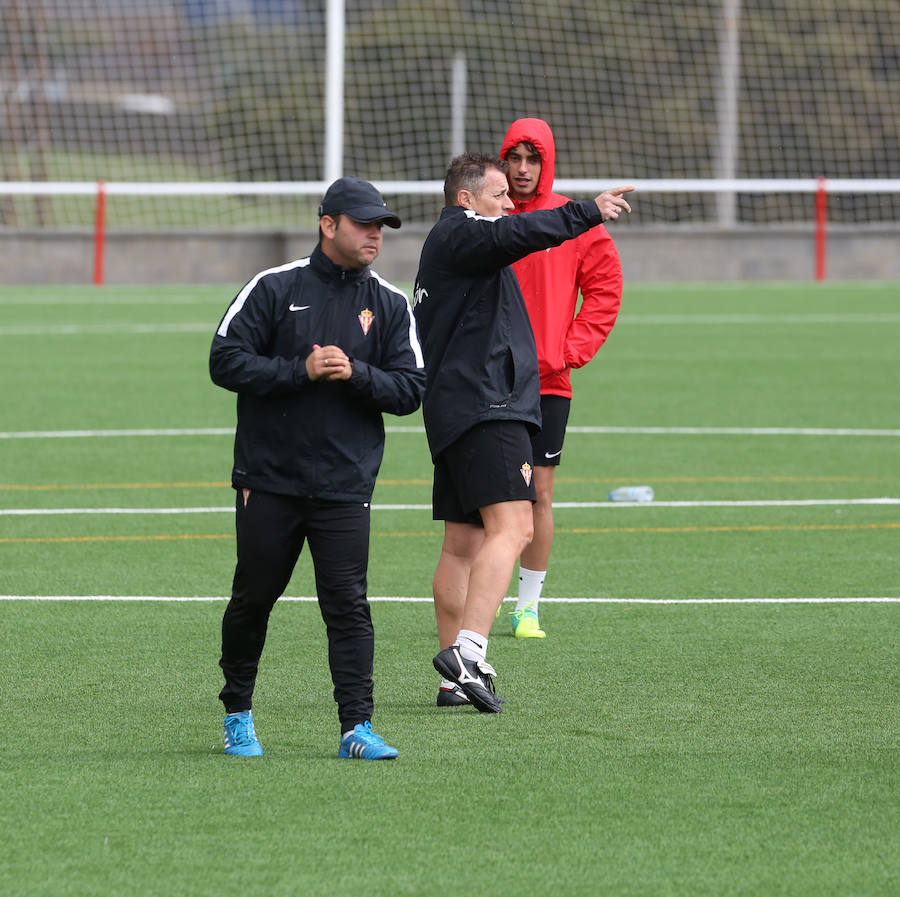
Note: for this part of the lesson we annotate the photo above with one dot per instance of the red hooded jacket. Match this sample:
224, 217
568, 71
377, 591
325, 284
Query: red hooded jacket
551, 279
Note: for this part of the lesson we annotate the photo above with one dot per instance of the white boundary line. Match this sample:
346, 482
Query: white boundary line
389, 599
104, 434
624, 320
733, 431
603, 505
38, 512
612, 431
873, 318
214, 299
100, 329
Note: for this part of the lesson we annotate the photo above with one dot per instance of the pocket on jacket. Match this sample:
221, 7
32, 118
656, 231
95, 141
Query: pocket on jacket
501, 386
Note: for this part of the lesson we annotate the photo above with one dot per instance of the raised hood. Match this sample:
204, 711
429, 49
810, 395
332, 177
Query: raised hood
537, 132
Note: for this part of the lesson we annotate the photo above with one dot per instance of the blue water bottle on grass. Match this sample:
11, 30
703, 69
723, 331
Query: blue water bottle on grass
632, 493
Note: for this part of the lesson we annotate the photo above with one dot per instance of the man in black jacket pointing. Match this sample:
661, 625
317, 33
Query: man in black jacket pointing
316, 350
482, 402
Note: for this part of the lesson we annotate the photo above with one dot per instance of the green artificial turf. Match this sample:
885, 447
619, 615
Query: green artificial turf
645, 749
682, 749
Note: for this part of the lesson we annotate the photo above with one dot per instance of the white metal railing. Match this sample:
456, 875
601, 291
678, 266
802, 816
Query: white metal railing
430, 188
726, 188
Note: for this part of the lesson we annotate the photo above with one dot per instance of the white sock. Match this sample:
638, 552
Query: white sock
472, 645
446, 683
531, 582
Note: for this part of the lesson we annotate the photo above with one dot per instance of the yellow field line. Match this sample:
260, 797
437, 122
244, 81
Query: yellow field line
732, 529
729, 479
825, 527
27, 487
152, 538
221, 484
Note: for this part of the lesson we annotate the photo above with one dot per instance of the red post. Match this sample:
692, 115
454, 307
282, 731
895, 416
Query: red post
821, 224
99, 233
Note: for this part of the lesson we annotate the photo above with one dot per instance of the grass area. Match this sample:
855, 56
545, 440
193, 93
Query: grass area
642, 751
645, 749
143, 212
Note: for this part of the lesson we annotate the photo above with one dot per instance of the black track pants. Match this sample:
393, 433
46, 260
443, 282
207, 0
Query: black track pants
271, 530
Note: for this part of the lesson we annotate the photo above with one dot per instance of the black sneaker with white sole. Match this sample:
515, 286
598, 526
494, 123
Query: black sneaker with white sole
452, 697
474, 677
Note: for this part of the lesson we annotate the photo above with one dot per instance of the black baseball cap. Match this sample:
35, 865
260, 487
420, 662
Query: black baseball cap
357, 199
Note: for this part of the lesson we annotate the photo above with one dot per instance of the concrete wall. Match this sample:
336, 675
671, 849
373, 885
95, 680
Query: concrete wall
683, 253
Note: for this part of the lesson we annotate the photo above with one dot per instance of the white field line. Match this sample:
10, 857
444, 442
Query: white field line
626, 320
875, 318
117, 299
648, 431
110, 296
603, 505
753, 286
105, 434
92, 329
760, 503
735, 431
49, 512
395, 599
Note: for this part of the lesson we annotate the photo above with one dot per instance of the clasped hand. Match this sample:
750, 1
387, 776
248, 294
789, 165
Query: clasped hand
328, 363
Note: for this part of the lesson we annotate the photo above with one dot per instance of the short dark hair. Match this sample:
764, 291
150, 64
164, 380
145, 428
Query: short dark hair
527, 144
466, 172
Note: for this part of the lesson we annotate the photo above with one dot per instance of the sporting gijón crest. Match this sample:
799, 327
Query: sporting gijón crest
366, 317
526, 471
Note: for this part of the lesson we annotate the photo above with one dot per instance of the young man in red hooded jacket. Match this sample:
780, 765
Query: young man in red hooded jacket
550, 282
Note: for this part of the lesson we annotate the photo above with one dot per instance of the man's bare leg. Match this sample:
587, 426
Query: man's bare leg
533, 563
537, 555
462, 542
508, 528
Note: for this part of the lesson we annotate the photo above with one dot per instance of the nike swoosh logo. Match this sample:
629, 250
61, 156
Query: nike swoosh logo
293, 307
553, 455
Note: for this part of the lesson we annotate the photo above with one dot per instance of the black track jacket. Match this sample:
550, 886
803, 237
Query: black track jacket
308, 438
478, 343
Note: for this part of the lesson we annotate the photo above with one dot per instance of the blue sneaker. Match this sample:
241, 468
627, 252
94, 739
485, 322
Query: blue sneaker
363, 744
240, 736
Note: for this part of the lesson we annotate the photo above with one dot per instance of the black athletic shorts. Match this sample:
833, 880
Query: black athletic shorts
489, 463
547, 445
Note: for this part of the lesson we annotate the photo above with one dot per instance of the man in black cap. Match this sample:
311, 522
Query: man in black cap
316, 350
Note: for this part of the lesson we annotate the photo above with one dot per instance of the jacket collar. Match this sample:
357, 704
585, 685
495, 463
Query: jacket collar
328, 270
